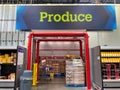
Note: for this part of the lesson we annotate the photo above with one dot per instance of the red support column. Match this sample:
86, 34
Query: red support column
37, 54
37, 58
29, 52
88, 76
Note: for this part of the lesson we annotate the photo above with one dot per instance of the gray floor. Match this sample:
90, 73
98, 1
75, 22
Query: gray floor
58, 84
55, 84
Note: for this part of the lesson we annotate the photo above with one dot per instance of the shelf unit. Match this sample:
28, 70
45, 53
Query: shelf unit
108, 60
7, 66
110, 66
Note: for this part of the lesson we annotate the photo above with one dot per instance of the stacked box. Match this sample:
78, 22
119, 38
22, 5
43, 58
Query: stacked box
69, 78
75, 73
79, 77
69, 72
57, 65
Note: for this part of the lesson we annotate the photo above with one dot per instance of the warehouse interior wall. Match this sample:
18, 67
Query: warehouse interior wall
8, 23
106, 37
7, 17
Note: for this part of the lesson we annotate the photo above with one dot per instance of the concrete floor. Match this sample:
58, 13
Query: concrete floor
55, 87
55, 84
58, 84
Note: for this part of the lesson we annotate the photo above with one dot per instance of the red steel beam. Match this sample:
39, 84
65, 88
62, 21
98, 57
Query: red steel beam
29, 51
37, 59
55, 34
59, 40
37, 53
63, 34
88, 76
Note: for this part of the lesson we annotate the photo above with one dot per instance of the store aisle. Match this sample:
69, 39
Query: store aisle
55, 84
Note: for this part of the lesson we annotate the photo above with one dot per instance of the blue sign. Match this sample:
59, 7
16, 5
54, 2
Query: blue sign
66, 17
20, 50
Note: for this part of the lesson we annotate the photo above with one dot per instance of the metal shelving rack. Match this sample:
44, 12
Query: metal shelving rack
106, 67
7, 68
110, 58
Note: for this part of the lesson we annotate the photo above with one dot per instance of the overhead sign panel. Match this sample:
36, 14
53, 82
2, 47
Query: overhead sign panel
66, 17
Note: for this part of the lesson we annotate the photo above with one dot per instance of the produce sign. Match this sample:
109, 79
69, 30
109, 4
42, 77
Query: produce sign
66, 17
52, 17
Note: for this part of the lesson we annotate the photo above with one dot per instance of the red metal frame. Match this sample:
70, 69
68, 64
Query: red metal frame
54, 40
37, 52
60, 40
37, 57
63, 34
29, 51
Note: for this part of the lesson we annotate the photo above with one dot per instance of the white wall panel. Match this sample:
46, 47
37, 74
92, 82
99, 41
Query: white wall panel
5, 12
14, 26
1, 12
112, 38
93, 39
0, 25
11, 14
15, 11
4, 25
7, 23
10, 25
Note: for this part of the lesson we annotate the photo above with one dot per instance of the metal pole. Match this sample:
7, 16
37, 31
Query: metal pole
88, 80
29, 52
37, 59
